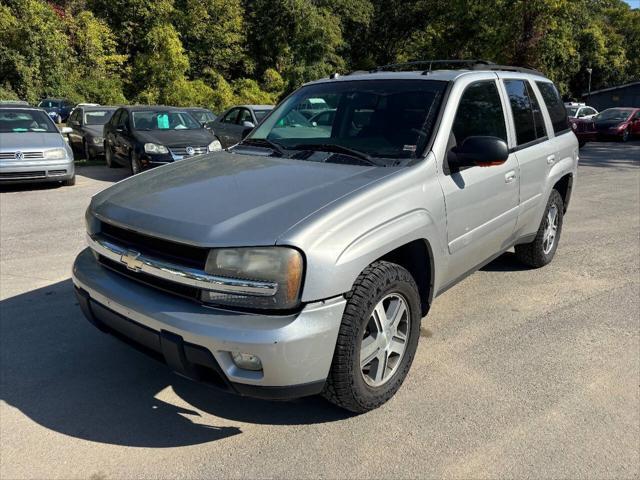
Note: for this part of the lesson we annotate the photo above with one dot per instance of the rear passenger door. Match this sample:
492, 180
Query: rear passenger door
534, 151
481, 202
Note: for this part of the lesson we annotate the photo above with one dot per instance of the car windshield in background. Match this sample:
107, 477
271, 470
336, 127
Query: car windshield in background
159, 120
376, 118
204, 117
97, 117
615, 114
49, 104
260, 114
18, 121
571, 111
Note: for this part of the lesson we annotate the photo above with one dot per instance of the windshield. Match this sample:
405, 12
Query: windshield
378, 118
163, 120
571, 111
619, 114
49, 104
97, 117
203, 116
260, 114
17, 121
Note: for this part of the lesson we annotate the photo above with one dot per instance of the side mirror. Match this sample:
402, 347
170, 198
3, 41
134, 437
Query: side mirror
247, 124
479, 151
66, 130
208, 124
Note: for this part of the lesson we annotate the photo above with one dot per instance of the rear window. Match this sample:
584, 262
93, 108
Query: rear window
97, 117
49, 104
555, 107
260, 114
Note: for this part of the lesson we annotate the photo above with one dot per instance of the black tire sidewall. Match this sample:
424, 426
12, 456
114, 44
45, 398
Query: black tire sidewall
134, 158
108, 155
382, 279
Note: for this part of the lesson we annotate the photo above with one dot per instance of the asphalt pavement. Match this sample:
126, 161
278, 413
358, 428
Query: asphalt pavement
519, 373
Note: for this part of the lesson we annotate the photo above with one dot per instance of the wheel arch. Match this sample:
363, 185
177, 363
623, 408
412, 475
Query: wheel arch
564, 186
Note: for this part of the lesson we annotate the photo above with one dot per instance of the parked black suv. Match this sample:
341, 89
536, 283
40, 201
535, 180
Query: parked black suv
141, 137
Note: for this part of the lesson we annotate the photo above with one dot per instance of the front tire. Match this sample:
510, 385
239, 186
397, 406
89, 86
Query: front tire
134, 163
625, 135
71, 182
377, 340
87, 152
541, 251
108, 156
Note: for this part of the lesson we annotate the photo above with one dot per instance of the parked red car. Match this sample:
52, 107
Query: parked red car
620, 123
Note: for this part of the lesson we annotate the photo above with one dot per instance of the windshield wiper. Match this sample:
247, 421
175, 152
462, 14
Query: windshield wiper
263, 142
333, 148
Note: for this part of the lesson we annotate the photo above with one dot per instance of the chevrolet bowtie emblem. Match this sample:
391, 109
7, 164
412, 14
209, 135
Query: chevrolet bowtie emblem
130, 259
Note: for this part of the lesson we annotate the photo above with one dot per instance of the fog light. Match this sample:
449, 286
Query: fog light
246, 361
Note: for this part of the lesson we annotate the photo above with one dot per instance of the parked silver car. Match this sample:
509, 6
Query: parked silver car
32, 148
302, 260
231, 125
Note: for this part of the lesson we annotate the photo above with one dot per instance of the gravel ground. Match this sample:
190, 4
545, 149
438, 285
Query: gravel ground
519, 373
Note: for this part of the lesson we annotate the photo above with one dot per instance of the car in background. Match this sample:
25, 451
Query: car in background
32, 149
580, 110
86, 124
323, 119
58, 109
619, 123
21, 103
236, 122
202, 115
142, 137
312, 106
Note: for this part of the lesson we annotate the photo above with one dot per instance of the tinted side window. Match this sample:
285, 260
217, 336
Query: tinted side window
522, 110
538, 119
232, 116
555, 106
245, 116
479, 113
123, 121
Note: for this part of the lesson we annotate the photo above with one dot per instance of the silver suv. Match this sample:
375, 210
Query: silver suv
302, 260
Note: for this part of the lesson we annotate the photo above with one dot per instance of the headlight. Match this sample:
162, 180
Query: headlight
574, 126
55, 154
280, 266
155, 148
215, 146
97, 140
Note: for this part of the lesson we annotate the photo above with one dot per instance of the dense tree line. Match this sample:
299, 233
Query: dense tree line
218, 52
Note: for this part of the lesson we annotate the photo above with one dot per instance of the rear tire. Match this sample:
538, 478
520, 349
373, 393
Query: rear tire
541, 251
362, 384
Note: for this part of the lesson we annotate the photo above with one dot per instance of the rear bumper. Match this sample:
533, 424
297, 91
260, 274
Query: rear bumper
196, 341
36, 171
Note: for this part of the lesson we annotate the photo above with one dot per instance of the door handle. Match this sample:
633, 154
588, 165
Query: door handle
509, 176
551, 159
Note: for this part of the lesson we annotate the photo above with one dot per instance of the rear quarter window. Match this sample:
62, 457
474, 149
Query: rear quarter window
555, 107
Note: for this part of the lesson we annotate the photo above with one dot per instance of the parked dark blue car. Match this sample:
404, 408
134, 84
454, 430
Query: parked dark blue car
57, 108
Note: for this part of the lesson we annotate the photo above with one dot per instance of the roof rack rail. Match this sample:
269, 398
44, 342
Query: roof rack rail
470, 64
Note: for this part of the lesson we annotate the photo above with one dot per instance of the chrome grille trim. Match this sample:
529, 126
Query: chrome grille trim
182, 151
192, 277
27, 155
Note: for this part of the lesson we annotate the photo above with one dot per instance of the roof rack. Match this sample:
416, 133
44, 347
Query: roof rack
470, 64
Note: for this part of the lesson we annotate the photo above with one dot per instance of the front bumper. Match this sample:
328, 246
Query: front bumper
196, 340
36, 170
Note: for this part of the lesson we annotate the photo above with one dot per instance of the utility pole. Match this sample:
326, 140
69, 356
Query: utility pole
589, 70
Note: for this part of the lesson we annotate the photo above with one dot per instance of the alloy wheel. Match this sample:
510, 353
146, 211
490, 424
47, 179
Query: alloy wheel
384, 340
550, 229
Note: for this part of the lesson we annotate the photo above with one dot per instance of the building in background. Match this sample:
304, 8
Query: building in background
627, 95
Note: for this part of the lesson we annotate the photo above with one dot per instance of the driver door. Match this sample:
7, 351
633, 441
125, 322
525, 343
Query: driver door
481, 202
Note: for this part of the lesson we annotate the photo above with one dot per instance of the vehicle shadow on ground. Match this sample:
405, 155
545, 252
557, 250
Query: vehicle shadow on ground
103, 173
611, 154
29, 187
507, 262
67, 376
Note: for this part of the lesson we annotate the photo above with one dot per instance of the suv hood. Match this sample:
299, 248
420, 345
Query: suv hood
175, 138
226, 199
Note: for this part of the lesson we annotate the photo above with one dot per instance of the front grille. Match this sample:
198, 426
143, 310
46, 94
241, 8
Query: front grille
182, 151
21, 175
585, 127
27, 155
57, 172
156, 282
178, 253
